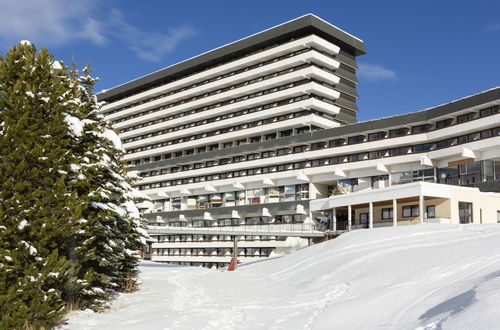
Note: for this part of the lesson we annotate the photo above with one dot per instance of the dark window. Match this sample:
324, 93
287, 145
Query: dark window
431, 211
284, 151
387, 213
355, 139
398, 132
270, 136
410, 211
336, 143
422, 147
420, 128
376, 136
318, 145
299, 149
445, 143
465, 118
465, 212
444, 123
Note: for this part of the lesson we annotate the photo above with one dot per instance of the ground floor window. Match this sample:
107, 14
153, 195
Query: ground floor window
431, 211
387, 213
410, 211
465, 212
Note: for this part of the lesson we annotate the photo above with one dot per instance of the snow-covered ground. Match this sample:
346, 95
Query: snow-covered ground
429, 276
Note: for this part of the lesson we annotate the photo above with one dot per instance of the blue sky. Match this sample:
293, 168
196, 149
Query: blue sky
420, 53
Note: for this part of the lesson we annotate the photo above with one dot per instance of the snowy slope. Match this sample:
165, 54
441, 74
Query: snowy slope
417, 277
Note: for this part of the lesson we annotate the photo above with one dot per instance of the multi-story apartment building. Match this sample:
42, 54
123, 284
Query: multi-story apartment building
255, 139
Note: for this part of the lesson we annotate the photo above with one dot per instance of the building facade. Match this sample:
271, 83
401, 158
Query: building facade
255, 140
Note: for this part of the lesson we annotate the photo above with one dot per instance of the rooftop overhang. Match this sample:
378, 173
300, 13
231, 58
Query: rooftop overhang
302, 26
403, 191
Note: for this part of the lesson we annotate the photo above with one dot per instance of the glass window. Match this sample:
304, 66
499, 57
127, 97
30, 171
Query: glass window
318, 145
376, 136
287, 193
336, 143
387, 213
465, 212
273, 194
410, 211
398, 132
229, 199
255, 196
215, 200
356, 139
176, 203
431, 211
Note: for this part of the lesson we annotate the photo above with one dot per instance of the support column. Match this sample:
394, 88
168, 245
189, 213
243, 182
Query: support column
370, 215
349, 217
394, 212
421, 207
334, 219
235, 251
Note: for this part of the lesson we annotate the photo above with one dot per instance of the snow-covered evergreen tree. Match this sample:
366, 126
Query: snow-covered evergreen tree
109, 233
69, 230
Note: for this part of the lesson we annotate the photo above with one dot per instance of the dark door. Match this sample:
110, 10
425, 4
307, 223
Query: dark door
363, 219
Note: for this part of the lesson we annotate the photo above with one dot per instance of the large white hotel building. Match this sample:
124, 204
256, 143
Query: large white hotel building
258, 140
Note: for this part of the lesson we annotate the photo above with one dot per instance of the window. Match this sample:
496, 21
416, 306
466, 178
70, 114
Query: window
465, 118
431, 211
398, 132
318, 145
255, 139
387, 213
420, 128
410, 211
498, 216
489, 111
252, 156
356, 139
298, 149
267, 154
422, 147
376, 136
336, 143
215, 200
465, 212
229, 199
271, 136
284, 151
287, 193
444, 123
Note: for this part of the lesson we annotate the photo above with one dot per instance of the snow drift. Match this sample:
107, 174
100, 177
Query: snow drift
417, 277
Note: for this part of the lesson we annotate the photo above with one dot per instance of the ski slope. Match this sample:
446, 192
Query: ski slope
430, 276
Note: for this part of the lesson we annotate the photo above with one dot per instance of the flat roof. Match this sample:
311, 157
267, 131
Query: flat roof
298, 27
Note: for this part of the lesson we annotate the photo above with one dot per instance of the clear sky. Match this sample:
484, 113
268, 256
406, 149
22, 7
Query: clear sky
419, 53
